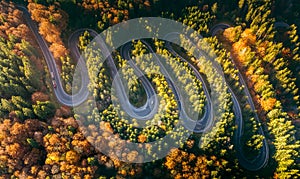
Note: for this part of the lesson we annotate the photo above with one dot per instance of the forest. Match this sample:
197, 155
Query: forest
250, 65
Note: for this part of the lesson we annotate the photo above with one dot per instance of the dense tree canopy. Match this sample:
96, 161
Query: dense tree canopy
258, 94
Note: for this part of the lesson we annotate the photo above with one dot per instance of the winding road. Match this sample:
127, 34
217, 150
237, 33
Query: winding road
148, 110
61, 95
195, 125
262, 159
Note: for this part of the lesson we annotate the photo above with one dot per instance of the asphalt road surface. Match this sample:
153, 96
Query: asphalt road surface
148, 110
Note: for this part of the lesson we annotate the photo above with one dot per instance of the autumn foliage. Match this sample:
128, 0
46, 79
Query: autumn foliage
39, 138
52, 21
20, 146
114, 12
182, 164
241, 51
